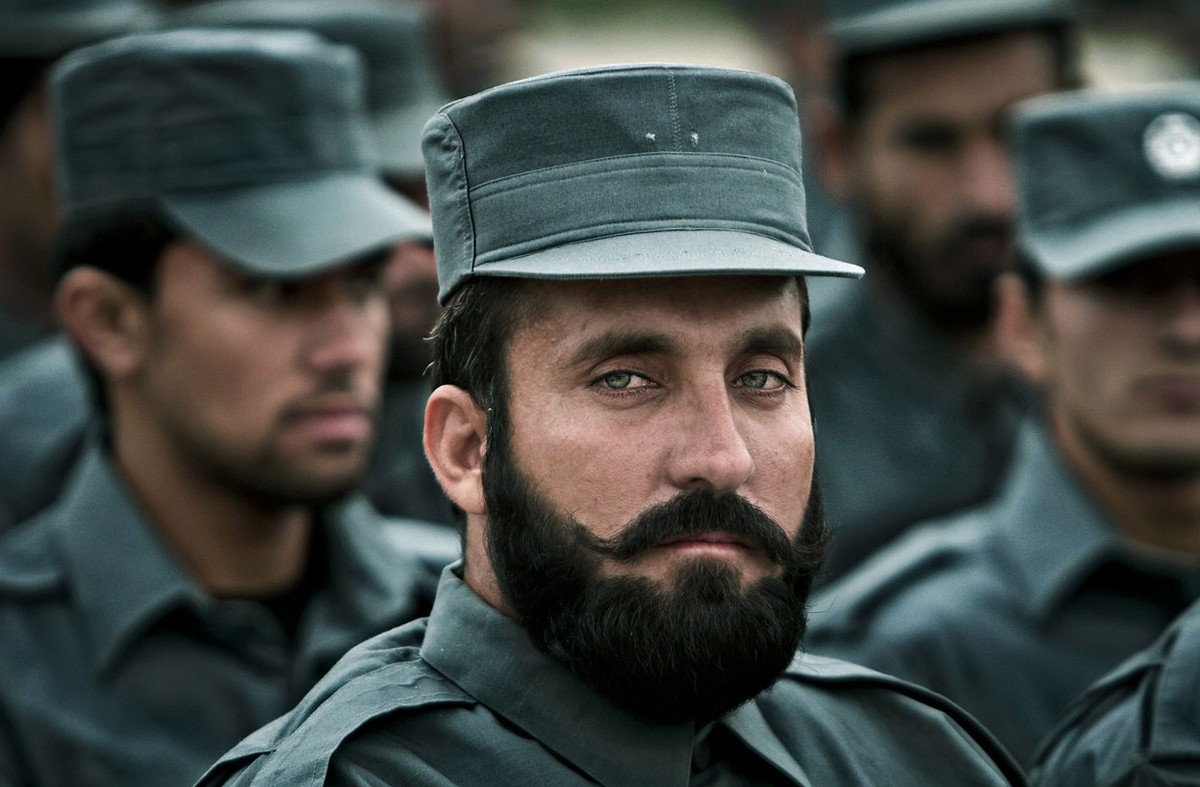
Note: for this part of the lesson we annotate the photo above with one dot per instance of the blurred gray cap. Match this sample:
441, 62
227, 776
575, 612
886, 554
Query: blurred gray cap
50, 28
403, 87
621, 172
1105, 179
253, 143
879, 27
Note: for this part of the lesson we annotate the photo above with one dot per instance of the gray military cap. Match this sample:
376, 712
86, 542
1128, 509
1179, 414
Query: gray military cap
403, 87
621, 171
49, 28
1104, 179
879, 27
253, 143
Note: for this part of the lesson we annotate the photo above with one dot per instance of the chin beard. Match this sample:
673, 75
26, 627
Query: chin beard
693, 647
964, 306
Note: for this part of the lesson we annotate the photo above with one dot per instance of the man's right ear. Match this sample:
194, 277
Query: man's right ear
455, 431
105, 316
1017, 331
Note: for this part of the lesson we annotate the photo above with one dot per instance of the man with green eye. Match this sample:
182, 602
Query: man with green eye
219, 277
1093, 545
915, 415
620, 416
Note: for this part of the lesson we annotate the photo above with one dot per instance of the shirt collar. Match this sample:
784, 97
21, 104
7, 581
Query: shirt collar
375, 581
1052, 532
492, 658
125, 577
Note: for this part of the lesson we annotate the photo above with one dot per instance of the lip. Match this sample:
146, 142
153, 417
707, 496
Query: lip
1177, 391
715, 543
332, 418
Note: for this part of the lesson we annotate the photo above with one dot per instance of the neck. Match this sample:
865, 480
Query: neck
233, 544
1159, 513
477, 567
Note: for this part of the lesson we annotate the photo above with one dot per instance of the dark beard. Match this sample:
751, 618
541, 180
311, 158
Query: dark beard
692, 648
961, 306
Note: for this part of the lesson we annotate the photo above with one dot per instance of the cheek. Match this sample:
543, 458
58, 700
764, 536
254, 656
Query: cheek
783, 474
603, 470
218, 375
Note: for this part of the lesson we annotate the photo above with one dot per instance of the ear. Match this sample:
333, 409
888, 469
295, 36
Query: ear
105, 316
833, 149
1018, 331
455, 429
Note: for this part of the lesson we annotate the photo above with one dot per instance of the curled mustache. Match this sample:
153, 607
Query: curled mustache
692, 514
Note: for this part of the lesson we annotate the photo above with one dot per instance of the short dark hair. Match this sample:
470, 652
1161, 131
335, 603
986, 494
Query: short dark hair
127, 244
853, 74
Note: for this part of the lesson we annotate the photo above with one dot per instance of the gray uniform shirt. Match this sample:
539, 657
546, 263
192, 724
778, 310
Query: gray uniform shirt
44, 417
1009, 610
1139, 726
904, 430
465, 698
117, 669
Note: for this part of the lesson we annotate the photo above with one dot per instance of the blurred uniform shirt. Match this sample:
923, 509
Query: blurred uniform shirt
44, 418
1139, 726
119, 670
1009, 610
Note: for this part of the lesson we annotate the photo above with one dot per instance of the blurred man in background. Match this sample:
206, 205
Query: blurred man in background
33, 34
43, 401
207, 562
914, 415
1093, 545
404, 90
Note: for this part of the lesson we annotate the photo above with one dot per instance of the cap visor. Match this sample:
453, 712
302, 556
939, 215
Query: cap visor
1118, 239
670, 253
297, 228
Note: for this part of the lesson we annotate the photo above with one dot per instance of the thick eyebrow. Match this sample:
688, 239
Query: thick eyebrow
773, 341
618, 343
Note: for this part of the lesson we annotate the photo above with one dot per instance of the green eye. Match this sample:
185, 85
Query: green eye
755, 380
618, 380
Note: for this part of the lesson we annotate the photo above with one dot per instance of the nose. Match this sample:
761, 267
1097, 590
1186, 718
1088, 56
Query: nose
348, 330
988, 187
711, 451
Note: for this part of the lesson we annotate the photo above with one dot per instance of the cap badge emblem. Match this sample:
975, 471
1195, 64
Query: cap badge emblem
1172, 144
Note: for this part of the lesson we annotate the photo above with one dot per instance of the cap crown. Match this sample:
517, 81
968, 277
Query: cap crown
402, 85
619, 151
1104, 178
153, 115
